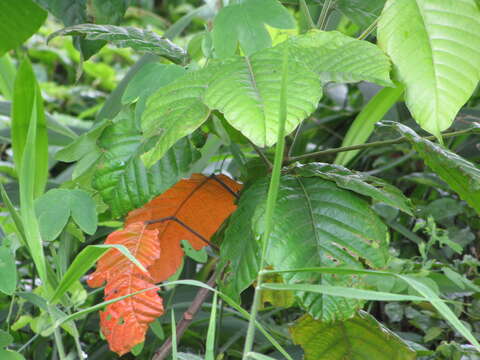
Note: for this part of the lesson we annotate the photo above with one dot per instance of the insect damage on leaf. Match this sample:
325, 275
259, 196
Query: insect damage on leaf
191, 210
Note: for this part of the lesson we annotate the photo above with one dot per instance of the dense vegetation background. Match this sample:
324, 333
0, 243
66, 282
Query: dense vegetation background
348, 238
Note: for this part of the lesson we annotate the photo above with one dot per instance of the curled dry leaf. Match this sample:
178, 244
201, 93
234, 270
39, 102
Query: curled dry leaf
191, 210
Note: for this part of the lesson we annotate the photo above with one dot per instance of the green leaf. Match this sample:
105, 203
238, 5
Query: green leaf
435, 47
27, 101
54, 208
137, 39
358, 182
340, 58
109, 12
8, 280
146, 81
120, 175
200, 256
364, 124
5, 339
245, 89
7, 76
175, 111
73, 12
10, 355
361, 12
361, 337
18, 21
83, 262
240, 251
459, 173
315, 224
244, 23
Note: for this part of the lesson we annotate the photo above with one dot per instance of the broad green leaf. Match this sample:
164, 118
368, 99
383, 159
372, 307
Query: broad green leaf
316, 224
146, 81
18, 21
8, 280
462, 175
27, 103
340, 58
364, 124
54, 208
435, 48
358, 338
10, 355
175, 111
244, 23
358, 182
83, 262
120, 175
137, 39
240, 250
5, 339
83, 145
246, 89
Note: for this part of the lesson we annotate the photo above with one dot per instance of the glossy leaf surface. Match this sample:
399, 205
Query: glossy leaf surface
335, 226
435, 48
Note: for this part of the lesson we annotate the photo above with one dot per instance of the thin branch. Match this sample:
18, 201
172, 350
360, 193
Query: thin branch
376, 144
188, 316
262, 155
369, 29
322, 20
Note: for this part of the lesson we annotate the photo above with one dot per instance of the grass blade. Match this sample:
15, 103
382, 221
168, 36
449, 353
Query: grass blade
210, 345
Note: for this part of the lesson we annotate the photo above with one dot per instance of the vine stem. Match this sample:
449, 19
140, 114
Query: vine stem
377, 144
271, 201
322, 20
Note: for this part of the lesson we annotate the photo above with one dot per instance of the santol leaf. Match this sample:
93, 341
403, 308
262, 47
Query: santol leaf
192, 210
125, 323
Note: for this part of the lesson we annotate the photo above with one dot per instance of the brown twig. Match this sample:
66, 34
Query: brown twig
187, 318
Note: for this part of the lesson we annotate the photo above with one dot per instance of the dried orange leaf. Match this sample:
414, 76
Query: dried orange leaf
201, 203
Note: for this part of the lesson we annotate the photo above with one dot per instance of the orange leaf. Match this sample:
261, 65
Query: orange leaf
201, 203
125, 322
191, 210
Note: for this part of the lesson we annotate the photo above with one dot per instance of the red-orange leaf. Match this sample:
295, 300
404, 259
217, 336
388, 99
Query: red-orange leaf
125, 322
202, 203
191, 210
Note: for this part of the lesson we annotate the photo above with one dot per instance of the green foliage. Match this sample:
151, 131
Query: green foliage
75, 203
245, 89
360, 337
434, 46
460, 174
244, 23
138, 39
336, 227
327, 227
18, 21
